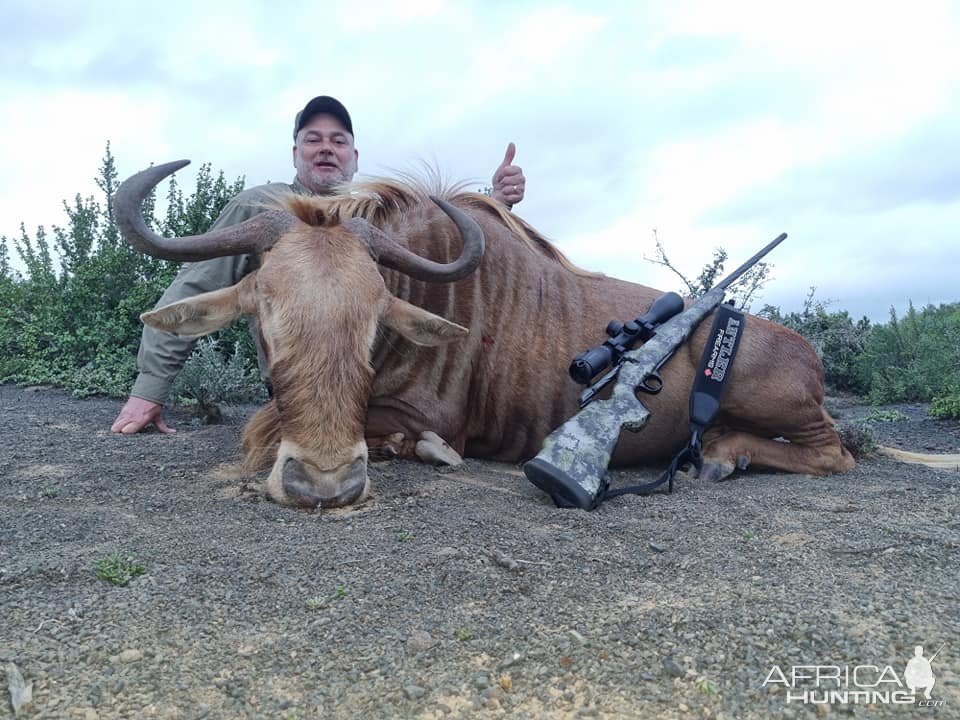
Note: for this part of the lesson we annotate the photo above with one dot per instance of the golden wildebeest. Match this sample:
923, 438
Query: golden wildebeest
439, 329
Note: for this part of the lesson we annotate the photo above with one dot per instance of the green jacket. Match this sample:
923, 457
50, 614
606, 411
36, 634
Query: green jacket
163, 355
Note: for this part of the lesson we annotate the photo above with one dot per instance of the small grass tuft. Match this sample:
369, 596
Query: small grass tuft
877, 415
705, 686
318, 602
463, 634
859, 439
119, 568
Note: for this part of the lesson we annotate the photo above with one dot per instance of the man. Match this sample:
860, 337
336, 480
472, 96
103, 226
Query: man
919, 674
324, 156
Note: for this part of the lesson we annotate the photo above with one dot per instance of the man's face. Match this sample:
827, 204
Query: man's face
324, 154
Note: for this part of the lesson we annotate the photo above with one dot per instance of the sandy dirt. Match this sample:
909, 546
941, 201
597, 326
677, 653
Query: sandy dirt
463, 593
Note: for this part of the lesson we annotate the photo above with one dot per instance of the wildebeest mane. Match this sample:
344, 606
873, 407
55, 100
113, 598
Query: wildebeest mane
380, 199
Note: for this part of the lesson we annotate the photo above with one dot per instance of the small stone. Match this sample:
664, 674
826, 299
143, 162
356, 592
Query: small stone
419, 641
21, 692
482, 681
672, 669
580, 639
510, 661
91, 714
414, 692
656, 547
130, 656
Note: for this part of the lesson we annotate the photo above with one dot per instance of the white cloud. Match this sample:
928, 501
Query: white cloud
60, 141
717, 123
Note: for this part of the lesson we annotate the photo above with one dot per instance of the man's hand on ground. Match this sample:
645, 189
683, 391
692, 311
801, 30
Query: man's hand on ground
136, 414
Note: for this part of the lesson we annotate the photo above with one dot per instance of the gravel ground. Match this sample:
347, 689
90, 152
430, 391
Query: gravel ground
456, 594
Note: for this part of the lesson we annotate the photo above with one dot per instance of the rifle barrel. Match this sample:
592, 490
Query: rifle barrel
735, 275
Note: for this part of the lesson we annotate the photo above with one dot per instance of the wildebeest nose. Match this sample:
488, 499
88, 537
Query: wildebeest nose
335, 489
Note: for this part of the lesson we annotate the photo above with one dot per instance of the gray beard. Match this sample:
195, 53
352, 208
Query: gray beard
330, 187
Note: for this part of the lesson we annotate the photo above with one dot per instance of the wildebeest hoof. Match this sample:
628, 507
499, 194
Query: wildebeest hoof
743, 462
433, 449
715, 472
389, 447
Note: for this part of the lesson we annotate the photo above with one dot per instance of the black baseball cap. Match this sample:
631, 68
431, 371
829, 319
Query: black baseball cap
322, 104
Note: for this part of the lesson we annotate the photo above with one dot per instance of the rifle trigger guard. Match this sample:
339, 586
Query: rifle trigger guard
652, 384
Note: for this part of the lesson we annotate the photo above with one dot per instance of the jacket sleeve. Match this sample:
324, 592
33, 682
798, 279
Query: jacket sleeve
163, 355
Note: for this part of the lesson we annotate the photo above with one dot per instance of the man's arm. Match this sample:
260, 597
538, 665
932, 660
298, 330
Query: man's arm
162, 355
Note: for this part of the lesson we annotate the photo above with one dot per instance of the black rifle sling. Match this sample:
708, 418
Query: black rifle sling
708, 386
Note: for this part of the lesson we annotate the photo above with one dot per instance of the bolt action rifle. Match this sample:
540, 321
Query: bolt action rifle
572, 466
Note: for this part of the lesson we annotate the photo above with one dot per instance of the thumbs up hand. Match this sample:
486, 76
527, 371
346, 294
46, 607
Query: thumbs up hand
508, 180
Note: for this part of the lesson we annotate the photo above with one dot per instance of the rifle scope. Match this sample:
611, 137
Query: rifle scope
623, 336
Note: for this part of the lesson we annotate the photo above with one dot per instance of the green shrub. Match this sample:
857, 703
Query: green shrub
212, 376
946, 406
909, 359
72, 319
858, 438
885, 416
915, 358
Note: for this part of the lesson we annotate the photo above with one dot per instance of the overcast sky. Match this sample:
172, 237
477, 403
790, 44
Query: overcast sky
715, 123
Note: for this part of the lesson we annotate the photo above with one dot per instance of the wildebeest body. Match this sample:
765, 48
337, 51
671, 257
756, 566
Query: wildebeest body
498, 392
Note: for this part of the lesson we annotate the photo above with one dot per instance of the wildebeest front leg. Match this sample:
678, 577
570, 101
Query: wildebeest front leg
389, 447
736, 449
429, 448
434, 449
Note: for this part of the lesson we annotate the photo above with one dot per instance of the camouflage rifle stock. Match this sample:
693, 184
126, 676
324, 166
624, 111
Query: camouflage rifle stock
572, 466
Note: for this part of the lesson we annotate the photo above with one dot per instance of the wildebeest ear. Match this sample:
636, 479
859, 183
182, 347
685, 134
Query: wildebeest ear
204, 313
419, 326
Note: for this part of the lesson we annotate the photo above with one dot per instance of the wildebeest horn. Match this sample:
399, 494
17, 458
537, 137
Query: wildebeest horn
254, 235
386, 251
